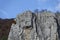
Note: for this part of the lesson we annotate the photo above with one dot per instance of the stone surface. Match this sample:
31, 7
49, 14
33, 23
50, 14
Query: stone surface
58, 23
34, 26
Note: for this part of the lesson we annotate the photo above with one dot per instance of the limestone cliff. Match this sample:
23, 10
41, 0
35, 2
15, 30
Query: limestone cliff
34, 26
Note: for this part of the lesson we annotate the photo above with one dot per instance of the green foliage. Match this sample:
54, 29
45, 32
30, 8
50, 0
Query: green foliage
4, 38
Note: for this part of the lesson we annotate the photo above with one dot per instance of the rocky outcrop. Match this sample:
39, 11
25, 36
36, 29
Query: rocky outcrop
34, 26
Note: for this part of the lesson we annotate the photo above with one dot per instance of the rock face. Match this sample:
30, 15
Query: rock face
58, 23
34, 26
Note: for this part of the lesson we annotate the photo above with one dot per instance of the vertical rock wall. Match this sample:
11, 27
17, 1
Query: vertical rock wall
32, 26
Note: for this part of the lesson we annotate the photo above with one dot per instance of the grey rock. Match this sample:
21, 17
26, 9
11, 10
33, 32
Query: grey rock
58, 23
34, 26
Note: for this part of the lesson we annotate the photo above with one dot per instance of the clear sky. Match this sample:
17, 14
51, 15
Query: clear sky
10, 8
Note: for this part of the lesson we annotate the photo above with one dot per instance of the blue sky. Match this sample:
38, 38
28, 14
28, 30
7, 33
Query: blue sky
10, 8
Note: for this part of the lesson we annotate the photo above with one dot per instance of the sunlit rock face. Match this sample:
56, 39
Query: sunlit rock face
47, 25
34, 26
